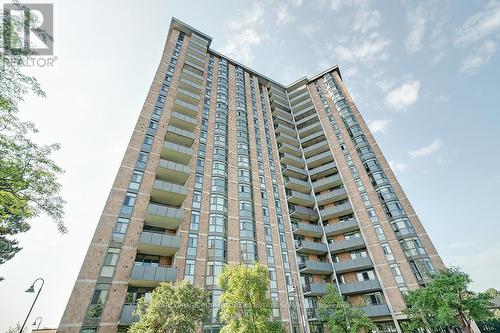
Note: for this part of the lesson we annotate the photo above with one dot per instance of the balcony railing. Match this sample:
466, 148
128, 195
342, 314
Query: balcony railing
332, 229
331, 196
168, 193
315, 267
158, 243
307, 229
310, 247
359, 287
151, 276
346, 245
335, 211
352, 265
164, 216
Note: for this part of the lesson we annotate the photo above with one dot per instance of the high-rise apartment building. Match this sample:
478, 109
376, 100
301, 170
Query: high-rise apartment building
226, 165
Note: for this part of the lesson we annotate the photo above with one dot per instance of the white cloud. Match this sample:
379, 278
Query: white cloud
245, 34
370, 49
427, 150
379, 125
283, 16
480, 25
296, 3
398, 166
334, 4
417, 19
404, 96
309, 30
366, 18
351, 71
477, 59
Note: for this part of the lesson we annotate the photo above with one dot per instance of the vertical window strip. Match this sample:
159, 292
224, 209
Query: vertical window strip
421, 266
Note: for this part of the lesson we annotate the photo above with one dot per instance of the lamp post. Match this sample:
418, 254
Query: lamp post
31, 289
39, 323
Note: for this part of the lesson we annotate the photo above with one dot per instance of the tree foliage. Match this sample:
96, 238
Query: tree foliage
173, 308
245, 303
16, 329
446, 301
340, 316
28, 176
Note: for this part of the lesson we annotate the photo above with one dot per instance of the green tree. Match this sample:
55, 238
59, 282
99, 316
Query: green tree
16, 329
492, 292
245, 304
340, 316
28, 176
173, 308
447, 301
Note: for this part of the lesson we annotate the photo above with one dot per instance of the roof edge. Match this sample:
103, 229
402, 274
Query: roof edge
175, 23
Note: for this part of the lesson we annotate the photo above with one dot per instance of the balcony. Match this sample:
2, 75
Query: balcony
297, 184
283, 120
316, 148
196, 57
176, 153
279, 102
195, 63
335, 211
313, 138
331, 196
187, 83
333, 229
301, 117
309, 129
158, 244
307, 229
352, 265
185, 108
188, 96
326, 183
168, 193
315, 267
293, 160
150, 276
378, 310
127, 316
359, 287
191, 75
346, 245
164, 216
303, 213
310, 247
302, 105
284, 138
314, 289
173, 172
317, 160
323, 170
299, 198
286, 148
276, 91
179, 136
283, 113
300, 97
182, 121
288, 130
292, 171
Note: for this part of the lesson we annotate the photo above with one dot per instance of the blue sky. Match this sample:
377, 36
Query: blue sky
424, 74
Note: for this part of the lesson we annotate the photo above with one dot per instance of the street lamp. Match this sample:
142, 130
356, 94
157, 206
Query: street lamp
39, 323
31, 289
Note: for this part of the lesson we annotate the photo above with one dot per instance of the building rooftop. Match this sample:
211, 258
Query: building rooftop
175, 23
